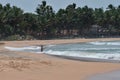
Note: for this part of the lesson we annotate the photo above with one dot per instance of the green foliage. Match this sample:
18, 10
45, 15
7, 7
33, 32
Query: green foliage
18, 37
13, 37
46, 24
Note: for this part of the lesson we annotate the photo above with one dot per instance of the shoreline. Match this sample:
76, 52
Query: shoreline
57, 41
30, 66
85, 59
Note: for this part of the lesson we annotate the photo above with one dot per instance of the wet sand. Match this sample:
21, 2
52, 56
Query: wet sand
31, 66
115, 75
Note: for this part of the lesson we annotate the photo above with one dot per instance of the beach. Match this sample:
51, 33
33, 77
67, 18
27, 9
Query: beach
31, 66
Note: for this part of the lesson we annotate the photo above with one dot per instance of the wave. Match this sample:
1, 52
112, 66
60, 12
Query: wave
115, 56
94, 49
50, 46
104, 43
89, 50
26, 49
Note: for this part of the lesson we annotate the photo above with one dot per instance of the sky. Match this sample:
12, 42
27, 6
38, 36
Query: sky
30, 5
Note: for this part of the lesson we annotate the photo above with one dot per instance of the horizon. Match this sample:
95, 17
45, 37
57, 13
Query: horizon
56, 5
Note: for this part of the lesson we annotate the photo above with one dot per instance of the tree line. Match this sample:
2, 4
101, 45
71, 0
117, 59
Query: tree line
70, 22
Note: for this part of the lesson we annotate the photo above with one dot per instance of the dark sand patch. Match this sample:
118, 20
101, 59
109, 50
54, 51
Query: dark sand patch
115, 75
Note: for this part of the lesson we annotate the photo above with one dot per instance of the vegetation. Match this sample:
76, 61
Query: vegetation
71, 22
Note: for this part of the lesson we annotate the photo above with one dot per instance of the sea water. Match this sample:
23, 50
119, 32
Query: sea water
100, 49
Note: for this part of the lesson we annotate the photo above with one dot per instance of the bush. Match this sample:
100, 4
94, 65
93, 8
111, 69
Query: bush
18, 37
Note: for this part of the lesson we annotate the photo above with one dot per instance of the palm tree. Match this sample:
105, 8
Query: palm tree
29, 25
60, 22
45, 16
86, 19
71, 17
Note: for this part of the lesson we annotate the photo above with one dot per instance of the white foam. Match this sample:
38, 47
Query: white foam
85, 49
104, 43
85, 54
32, 48
111, 52
50, 45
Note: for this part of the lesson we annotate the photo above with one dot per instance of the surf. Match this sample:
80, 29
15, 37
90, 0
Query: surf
100, 50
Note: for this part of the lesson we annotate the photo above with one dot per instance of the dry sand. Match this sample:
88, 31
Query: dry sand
30, 66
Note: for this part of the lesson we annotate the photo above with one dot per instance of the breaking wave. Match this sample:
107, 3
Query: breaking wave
25, 49
100, 50
105, 43
115, 56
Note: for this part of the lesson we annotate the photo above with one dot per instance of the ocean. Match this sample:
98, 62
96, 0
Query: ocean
109, 50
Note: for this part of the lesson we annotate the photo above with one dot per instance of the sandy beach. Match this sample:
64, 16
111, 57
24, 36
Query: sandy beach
32, 66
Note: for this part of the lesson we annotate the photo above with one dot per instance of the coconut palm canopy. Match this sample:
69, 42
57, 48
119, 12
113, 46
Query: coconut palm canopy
45, 23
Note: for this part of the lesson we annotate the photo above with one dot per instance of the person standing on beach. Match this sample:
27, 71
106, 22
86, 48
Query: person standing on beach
42, 48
